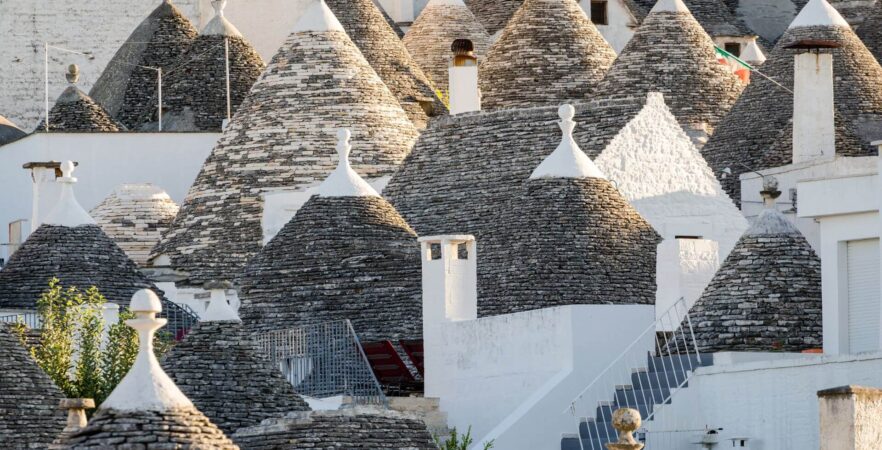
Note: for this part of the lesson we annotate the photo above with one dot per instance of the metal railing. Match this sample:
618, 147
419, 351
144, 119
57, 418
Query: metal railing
324, 360
181, 318
646, 375
31, 319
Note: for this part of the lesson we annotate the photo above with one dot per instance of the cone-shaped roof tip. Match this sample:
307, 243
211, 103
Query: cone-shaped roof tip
68, 212
219, 25
318, 17
669, 6
218, 308
146, 387
343, 181
568, 160
818, 13
753, 54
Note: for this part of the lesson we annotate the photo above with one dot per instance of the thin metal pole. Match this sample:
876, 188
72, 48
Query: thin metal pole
159, 80
46, 79
227, 61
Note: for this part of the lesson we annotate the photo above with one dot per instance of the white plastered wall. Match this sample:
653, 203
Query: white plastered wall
846, 209
106, 160
657, 168
772, 402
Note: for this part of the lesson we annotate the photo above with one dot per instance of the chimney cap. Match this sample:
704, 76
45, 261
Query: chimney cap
76, 403
462, 46
810, 44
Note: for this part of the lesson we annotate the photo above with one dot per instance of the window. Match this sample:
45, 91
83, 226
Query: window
733, 47
598, 13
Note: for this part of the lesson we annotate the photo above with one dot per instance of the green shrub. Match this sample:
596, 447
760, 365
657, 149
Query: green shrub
456, 441
71, 346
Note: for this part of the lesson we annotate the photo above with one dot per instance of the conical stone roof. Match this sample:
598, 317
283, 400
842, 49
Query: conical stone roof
439, 24
755, 131
549, 53
124, 89
494, 14
194, 94
569, 238
346, 254
9, 132
147, 409
670, 53
318, 81
767, 294
135, 216
365, 428
465, 171
71, 247
222, 371
75, 111
870, 31
715, 16
29, 413
385, 52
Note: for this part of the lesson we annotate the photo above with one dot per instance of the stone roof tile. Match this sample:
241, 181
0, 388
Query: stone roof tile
548, 54
494, 14
76, 112
317, 82
385, 52
753, 132
126, 87
221, 370
29, 413
766, 296
439, 24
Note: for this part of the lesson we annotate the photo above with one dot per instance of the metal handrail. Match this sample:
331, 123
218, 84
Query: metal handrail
324, 360
651, 328
657, 375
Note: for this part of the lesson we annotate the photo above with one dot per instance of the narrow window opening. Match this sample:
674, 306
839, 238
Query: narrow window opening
598, 12
733, 48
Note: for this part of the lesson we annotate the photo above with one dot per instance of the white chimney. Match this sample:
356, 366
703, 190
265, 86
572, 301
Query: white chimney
450, 279
813, 126
464, 93
45, 191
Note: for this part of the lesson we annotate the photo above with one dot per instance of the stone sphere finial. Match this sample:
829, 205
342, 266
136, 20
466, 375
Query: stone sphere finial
626, 421
73, 73
566, 112
147, 301
67, 169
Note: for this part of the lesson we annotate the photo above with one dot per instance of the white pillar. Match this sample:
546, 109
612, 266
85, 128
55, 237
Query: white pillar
849, 418
813, 126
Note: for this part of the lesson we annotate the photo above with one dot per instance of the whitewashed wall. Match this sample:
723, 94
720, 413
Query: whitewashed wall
772, 402
101, 26
789, 176
511, 377
106, 160
845, 209
655, 165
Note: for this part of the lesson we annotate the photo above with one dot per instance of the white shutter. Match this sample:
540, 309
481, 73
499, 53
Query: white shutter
863, 295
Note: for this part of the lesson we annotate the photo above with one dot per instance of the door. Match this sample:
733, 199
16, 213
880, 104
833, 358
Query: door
863, 295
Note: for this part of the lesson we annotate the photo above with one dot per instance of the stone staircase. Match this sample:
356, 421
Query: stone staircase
651, 387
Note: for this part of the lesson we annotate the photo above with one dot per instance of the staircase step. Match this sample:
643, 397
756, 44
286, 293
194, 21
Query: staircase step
679, 362
603, 429
657, 380
630, 396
